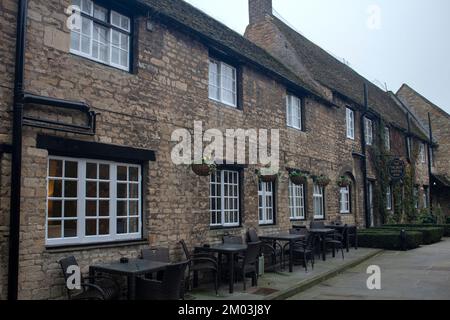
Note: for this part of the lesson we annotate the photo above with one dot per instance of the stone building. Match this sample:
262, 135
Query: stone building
102, 100
428, 113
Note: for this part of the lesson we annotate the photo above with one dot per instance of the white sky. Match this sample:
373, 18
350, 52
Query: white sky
411, 45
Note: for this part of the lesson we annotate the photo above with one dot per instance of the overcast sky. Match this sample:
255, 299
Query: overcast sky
389, 42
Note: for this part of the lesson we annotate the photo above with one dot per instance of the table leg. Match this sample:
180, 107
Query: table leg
324, 253
131, 287
231, 267
291, 256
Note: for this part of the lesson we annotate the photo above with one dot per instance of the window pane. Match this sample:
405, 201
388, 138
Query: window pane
100, 13
86, 45
86, 6
91, 227
103, 209
134, 191
70, 228
75, 41
54, 209
91, 170
122, 191
103, 227
91, 189
122, 173
133, 174
134, 225
71, 169
55, 168
104, 189
55, 188
54, 229
70, 189
91, 208
123, 58
134, 206
70, 209
122, 226
115, 19
122, 210
104, 172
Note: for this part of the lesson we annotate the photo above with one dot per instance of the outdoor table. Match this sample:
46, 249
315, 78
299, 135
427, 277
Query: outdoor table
322, 233
230, 250
347, 237
286, 237
132, 269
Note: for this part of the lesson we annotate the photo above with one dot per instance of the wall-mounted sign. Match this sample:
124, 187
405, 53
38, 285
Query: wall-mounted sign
397, 169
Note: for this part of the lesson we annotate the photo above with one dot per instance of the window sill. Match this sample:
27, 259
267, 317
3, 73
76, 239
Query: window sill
104, 64
267, 225
85, 247
225, 228
298, 220
296, 129
222, 104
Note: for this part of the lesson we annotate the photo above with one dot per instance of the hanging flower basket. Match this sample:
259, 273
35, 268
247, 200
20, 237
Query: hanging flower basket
267, 175
298, 178
204, 168
322, 180
344, 182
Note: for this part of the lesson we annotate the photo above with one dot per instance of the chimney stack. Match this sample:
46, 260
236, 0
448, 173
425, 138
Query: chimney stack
258, 9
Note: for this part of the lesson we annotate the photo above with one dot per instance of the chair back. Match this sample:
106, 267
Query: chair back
157, 254
300, 232
232, 240
252, 235
185, 249
310, 240
65, 264
317, 225
172, 282
252, 253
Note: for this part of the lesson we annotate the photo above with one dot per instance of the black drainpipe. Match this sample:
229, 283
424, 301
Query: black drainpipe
430, 173
364, 152
16, 165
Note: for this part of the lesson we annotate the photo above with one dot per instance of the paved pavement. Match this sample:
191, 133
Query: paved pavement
421, 274
272, 285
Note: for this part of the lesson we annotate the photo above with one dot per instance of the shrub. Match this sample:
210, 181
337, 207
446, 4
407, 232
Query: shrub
389, 239
446, 227
431, 233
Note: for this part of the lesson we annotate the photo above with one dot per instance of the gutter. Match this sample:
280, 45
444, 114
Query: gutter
430, 173
21, 99
364, 156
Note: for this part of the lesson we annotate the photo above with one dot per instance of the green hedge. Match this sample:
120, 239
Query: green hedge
389, 239
431, 234
446, 227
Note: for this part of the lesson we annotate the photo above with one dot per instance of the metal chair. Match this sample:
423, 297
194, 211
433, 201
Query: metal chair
352, 236
99, 287
168, 289
200, 262
249, 264
304, 250
273, 250
337, 241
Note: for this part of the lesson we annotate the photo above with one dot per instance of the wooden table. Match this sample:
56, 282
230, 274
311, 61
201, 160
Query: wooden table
285, 237
322, 233
132, 269
230, 250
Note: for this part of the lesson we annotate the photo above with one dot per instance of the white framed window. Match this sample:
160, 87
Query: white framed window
296, 201
368, 131
318, 202
345, 200
389, 204
266, 203
416, 197
387, 138
294, 112
422, 155
425, 197
91, 201
222, 83
224, 199
350, 121
104, 35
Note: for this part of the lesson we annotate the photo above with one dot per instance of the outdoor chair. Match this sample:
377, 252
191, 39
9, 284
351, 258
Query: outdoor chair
337, 241
92, 288
352, 236
304, 250
272, 250
200, 262
157, 254
249, 265
170, 288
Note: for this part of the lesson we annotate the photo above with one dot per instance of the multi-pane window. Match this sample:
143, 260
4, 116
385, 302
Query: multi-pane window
92, 201
350, 116
318, 202
224, 199
222, 83
389, 204
425, 197
266, 203
103, 35
345, 200
296, 201
294, 112
387, 138
416, 197
422, 155
368, 131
